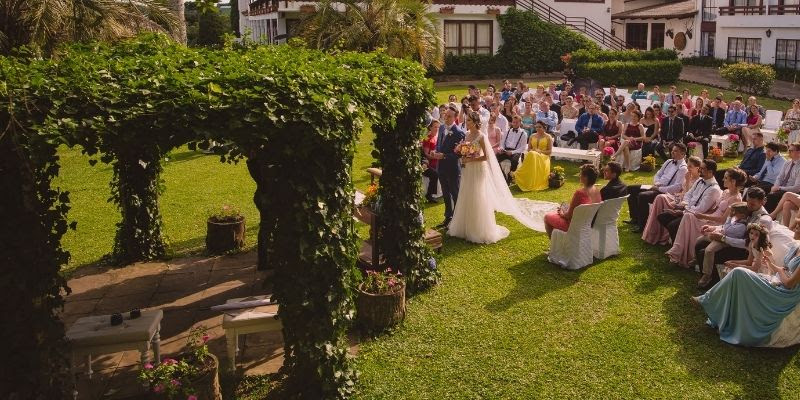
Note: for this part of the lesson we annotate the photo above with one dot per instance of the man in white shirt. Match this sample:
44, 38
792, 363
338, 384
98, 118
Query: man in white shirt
550, 118
502, 121
700, 198
788, 180
475, 105
668, 179
513, 145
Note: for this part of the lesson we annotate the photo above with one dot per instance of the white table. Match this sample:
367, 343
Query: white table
590, 155
95, 335
247, 320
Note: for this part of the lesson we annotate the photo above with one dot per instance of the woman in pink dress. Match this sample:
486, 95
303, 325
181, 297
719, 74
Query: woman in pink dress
682, 251
587, 194
654, 232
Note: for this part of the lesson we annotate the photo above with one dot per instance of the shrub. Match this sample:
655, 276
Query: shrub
704, 61
631, 72
750, 78
212, 27
787, 74
471, 64
596, 55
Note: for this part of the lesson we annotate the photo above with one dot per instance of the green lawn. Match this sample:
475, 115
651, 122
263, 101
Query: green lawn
503, 324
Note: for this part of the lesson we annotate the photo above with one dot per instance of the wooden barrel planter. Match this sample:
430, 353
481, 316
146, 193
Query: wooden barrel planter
378, 312
646, 167
223, 236
555, 181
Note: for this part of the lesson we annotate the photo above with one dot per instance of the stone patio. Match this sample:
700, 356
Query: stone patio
183, 289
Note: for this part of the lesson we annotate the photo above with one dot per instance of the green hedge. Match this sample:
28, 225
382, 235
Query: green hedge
631, 72
704, 61
583, 56
530, 45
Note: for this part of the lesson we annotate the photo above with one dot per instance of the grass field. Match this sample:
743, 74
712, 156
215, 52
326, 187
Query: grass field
503, 324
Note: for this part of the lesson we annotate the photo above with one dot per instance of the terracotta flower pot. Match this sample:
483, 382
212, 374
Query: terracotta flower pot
378, 312
224, 236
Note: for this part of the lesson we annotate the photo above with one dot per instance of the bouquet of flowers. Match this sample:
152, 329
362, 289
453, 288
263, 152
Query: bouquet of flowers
692, 146
715, 153
608, 151
377, 282
733, 147
558, 172
468, 150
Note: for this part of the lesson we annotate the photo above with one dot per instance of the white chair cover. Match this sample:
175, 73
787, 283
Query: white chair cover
773, 120
573, 249
605, 237
425, 181
636, 159
644, 103
567, 125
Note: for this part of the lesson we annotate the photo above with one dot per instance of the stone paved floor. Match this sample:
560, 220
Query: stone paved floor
710, 76
182, 288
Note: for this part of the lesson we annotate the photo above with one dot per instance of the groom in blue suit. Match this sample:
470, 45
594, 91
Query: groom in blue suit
449, 168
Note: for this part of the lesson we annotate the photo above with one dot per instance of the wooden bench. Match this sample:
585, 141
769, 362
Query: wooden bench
591, 155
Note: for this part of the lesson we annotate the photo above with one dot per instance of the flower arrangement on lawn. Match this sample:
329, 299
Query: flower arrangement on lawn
556, 178
733, 146
782, 135
371, 196
716, 154
176, 378
648, 163
225, 214
692, 146
381, 301
608, 151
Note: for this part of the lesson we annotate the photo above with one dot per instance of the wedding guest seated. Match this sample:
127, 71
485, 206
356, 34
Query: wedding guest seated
773, 164
639, 93
430, 162
633, 138
655, 97
747, 307
735, 227
611, 98
598, 99
564, 82
729, 247
672, 131
671, 98
514, 146
654, 232
697, 108
551, 90
588, 127
682, 250
720, 99
735, 119
700, 130
549, 118
753, 121
753, 159
788, 180
752, 101
554, 107
717, 114
500, 120
507, 92
510, 108
683, 114
627, 115
528, 118
494, 133
668, 179
757, 241
687, 102
587, 194
791, 120
652, 128
789, 202
615, 187
612, 132
701, 198
534, 171
568, 109
704, 97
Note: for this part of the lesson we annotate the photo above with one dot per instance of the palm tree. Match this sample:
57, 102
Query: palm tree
179, 7
46, 23
403, 28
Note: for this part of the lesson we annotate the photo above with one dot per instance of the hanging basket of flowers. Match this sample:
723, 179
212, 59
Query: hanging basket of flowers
556, 178
381, 302
648, 164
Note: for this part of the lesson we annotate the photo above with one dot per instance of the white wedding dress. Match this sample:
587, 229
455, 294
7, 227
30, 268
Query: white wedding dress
483, 191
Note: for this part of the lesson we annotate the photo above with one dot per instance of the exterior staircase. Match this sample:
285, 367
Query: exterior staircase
582, 25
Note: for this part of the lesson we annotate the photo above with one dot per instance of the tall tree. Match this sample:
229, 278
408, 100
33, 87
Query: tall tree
235, 18
179, 7
46, 23
403, 28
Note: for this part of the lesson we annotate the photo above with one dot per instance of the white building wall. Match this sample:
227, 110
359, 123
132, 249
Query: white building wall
599, 13
677, 25
472, 13
768, 44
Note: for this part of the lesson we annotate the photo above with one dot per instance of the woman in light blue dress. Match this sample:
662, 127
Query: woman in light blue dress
747, 307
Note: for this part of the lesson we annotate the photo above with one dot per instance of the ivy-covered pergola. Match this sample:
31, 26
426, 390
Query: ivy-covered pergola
298, 112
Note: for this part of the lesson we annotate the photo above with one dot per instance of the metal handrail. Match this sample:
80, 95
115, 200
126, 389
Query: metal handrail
580, 24
784, 9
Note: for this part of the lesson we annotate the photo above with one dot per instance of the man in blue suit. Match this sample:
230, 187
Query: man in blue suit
449, 163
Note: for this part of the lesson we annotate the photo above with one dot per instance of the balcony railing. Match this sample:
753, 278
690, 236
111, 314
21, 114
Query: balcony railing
785, 9
742, 10
258, 7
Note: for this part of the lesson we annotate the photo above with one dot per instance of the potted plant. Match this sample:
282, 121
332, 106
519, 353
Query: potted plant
381, 301
369, 205
225, 230
648, 164
556, 178
782, 136
733, 147
692, 146
608, 151
716, 154
193, 375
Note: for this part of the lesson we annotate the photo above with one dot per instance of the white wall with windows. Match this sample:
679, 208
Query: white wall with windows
468, 29
753, 45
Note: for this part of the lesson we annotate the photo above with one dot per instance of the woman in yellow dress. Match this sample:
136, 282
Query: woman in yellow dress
533, 173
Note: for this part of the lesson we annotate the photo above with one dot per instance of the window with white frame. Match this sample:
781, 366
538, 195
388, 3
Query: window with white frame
467, 37
787, 54
744, 49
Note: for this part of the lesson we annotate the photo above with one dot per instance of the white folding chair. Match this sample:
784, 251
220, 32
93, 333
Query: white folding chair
573, 249
773, 120
605, 237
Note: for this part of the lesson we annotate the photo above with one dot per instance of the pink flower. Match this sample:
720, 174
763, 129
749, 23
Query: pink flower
191, 397
692, 145
175, 382
158, 388
608, 151
206, 337
733, 137
169, 361
148, 366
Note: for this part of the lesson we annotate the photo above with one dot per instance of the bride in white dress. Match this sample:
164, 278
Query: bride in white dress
484, 191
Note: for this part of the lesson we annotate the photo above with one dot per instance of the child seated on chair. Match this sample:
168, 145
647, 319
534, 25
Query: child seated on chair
735, 226
757, 242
